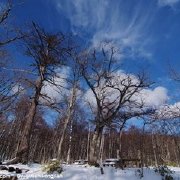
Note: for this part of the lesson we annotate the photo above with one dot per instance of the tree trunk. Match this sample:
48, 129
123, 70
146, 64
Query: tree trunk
120, 138
120, 144
22, 153
88, 143
177, 151
101, 150
70, 144
142, 151
95, 146
70, 112
154, 151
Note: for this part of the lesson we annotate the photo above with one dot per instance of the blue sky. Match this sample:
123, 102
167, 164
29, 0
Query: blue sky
146, 32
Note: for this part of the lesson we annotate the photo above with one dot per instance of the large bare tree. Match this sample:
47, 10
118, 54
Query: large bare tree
49, 52
114, 92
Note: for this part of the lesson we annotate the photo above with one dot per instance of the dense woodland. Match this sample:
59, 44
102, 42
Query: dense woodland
93, 103
159, 148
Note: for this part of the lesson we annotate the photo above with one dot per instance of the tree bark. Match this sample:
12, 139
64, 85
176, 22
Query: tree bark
154, 151
70, 112
95, 146
177, 151
70, 144
22, 153
120, 138
88, 143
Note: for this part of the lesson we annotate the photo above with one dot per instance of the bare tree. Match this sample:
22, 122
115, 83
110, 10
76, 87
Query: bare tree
48, 52
113, 92
70, 110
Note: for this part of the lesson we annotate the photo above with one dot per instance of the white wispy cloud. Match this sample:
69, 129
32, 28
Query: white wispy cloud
170, 3
154, 97
127, 26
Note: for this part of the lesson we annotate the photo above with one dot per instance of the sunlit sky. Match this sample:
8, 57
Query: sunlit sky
146, 32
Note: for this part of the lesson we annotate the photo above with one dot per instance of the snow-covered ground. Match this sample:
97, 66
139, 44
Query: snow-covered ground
81, 172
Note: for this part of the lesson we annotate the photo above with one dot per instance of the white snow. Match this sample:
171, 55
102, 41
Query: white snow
85, 172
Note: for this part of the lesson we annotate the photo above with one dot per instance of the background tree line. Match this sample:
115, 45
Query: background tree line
92, 130
159, 147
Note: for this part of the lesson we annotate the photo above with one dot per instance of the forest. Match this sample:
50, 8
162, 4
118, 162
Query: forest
70, 102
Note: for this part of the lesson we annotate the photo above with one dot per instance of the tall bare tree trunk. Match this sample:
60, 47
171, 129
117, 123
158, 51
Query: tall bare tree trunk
22, 153
62, 139
142, 151
95, 146
70, 144
88, 143
154, 151
70, 112
120, 144
177, 151
101, 149
120, 138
